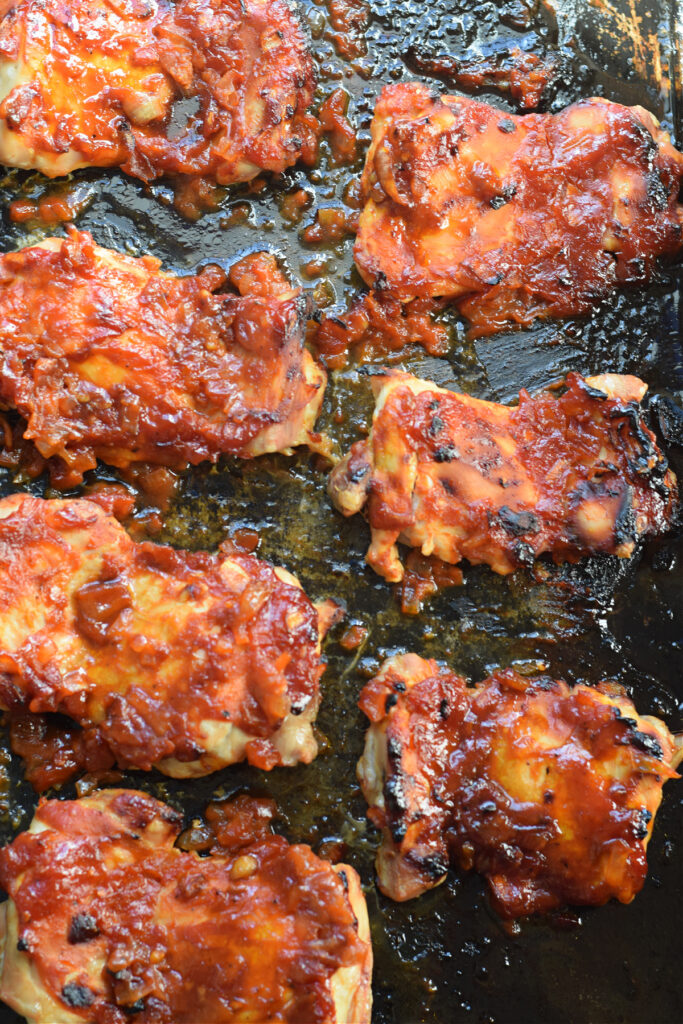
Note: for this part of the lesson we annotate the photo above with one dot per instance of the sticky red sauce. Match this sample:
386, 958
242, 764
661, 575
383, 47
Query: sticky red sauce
425, 576
53, 208
378, 325
215, 89
339, 130
256, 929
570, 475
548, 792
331, 224
141, 368
523, 76
54, 750
349, 20
242, 649
353, 637
514, 217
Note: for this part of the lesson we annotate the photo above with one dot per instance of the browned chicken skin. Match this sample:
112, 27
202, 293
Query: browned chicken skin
106, 356
91, 83
182, 661
550, 792
457, 477
107, 921
514, 217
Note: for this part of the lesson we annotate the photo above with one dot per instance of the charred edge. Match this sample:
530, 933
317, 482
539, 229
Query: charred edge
22, 945
625, 529
649, 146
648, 744
639, 739
669, 417
344, 879
524, 554
77, 996
446, 453
650, 464
643, 819
517, 523
83, 928
592, 392
444, 708
657, 191
394, 791
432, 867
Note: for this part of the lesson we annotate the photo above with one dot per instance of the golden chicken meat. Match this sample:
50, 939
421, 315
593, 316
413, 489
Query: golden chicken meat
171, 659
570, 474
514, 217
217, 88
107, 356
107, 921
548, 791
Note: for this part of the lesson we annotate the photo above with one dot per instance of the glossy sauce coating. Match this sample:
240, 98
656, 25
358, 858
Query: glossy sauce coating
88, 83
514, 217
108, 357
113, 923
457, 477
549, 792
183, 661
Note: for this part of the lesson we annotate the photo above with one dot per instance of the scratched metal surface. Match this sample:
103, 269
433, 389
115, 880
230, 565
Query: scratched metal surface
445, 958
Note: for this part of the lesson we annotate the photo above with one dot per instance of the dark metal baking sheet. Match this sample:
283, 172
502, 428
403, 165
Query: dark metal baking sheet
445, 957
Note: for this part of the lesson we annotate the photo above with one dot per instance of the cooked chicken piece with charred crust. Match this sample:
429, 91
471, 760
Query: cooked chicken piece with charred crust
515, 217
548, 791
107, 921
106, 356
171, 659
570, 474
91, 83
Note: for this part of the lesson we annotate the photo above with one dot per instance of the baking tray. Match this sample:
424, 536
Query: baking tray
445, 957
